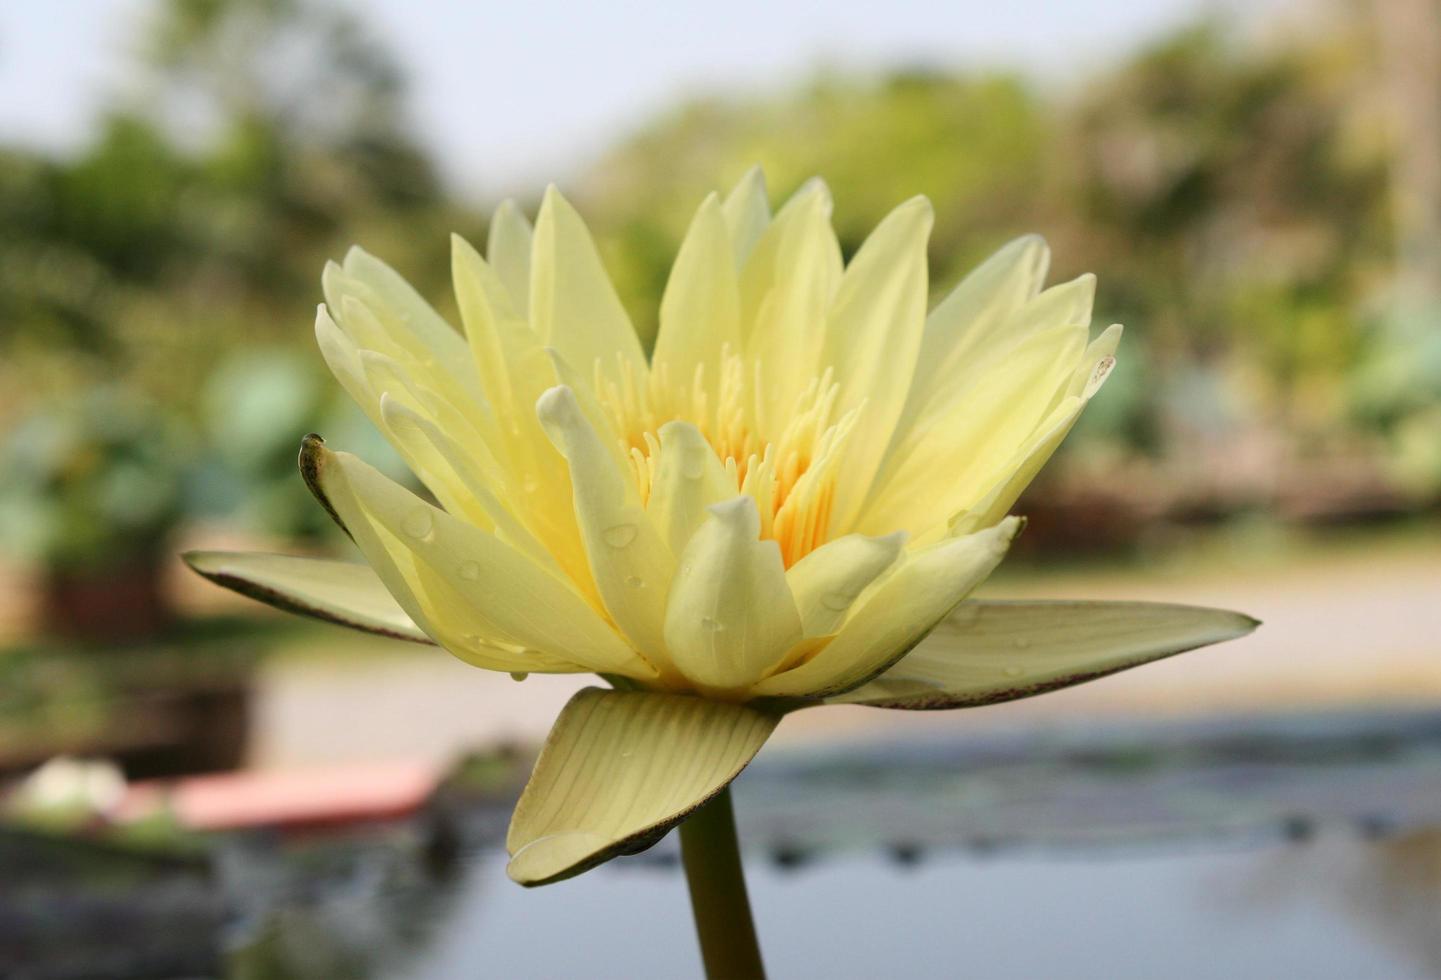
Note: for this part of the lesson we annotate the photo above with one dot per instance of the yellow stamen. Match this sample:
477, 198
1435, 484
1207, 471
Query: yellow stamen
791, 473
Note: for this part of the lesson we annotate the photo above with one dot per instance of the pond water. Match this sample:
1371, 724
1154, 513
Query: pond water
1299, 845
1282, 846
1326, 909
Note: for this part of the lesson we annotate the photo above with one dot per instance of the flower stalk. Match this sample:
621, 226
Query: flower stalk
711, 854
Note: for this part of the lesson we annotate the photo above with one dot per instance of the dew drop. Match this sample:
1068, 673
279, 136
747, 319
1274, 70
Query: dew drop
713, 625
837, 601
635, 582
1015, 671
619, 535
519, 675
469, 570
418, 523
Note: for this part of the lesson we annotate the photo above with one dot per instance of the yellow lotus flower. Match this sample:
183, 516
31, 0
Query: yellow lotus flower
771, 513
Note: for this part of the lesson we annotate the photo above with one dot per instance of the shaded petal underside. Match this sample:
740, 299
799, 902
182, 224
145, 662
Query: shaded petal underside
619, 769
989, 651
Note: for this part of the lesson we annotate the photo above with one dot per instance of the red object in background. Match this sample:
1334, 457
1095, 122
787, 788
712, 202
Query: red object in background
289, 799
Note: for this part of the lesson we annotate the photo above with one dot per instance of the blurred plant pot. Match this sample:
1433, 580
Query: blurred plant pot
208, 728
174, 705
117, 602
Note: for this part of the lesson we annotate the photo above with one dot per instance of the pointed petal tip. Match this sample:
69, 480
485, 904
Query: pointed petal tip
557, 404
313, 459
739, 509
201, 562
1011, 527
557, 857
1099, 373
355, 255
1246, 624
920, 203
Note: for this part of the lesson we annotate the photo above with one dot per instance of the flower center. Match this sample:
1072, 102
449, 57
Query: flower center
788, 465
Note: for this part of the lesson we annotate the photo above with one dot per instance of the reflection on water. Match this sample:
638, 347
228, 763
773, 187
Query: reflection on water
1298, 846
1389, 889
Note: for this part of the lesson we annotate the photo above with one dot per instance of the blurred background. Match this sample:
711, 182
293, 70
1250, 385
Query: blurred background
1258, 187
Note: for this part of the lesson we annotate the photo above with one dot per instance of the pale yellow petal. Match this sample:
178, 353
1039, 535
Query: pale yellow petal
950, 464
573, 304
619, 769
1007, 331
731, 616
700, 311
515, 371
971, 316
689, 478
355, 371
338, 592
468, 477
343, 359
897, 614
873, 337
383, 312
747, 213
829, 580
630, 560
1096, 364
988, 652
466, 588
471, 426
1017, 473
786, 290
508, 248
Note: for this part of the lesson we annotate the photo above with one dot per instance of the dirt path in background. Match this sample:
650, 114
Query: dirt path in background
1358, 628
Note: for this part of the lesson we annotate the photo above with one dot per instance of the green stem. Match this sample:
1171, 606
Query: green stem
723, 920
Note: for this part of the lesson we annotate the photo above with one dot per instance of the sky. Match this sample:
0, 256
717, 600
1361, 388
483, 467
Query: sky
513, 94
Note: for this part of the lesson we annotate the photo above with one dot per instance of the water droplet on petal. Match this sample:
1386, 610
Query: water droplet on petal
418, 523
635, 582
469, 570
619, 535
712, 625
837, 601
519, 675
